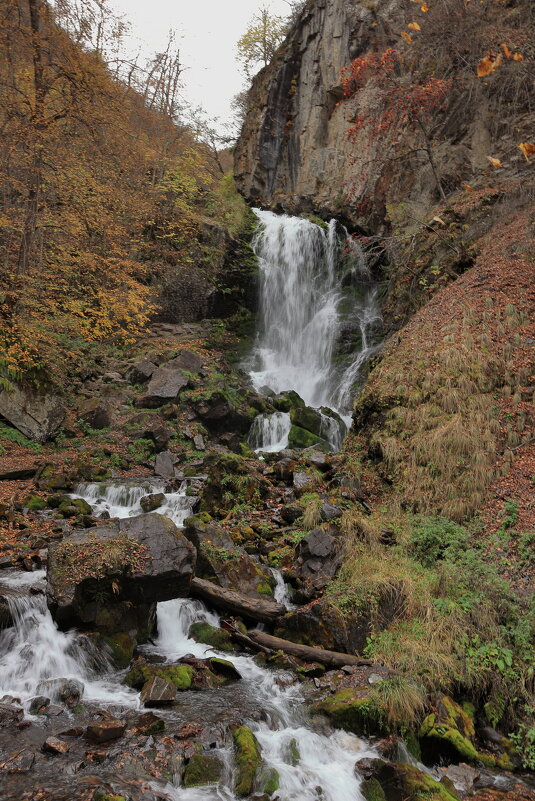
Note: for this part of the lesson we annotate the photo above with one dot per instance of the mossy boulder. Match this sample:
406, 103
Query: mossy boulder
179, 675
301, 438
224, 669
211, 635
34, 503
268, 781
395, 781
286, 401
353, 709
372, 790
248, 760
202, 770
74, 507
447, 733
122, 647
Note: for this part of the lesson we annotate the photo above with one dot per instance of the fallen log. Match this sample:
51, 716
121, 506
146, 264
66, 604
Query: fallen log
243, 639
17, 475
306, 652
264, 611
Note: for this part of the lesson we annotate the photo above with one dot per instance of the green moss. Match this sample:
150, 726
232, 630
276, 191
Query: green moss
350, 709
179, 675
202, 770
34, 503
268, 781
418, 786
287, 401
301, 438
98, 796
294, 753
247, 752
372, 790
210, 635
264, 588
122, 647
413, 746
442, 732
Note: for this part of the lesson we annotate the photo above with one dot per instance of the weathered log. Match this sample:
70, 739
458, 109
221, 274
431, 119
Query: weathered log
17, 475
307, 652
243, 639
264, 611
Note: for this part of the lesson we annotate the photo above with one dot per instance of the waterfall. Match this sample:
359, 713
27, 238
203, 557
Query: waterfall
314, 287
269, 432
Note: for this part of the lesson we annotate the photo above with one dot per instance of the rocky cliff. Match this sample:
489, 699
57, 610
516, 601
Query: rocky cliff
294, 153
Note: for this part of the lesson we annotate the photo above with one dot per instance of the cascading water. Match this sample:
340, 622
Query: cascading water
308, 278
325, 761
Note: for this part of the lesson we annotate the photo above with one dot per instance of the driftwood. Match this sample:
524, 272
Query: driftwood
243, 639
264, 611
306, 652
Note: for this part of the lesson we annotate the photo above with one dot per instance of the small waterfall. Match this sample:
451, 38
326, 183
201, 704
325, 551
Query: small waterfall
33, 650
280, 593
269, 432
124, 499
315, 290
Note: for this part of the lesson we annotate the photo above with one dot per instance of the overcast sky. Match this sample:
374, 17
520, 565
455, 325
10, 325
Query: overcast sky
209, 31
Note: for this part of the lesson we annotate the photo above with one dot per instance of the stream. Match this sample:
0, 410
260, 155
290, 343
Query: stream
34, 653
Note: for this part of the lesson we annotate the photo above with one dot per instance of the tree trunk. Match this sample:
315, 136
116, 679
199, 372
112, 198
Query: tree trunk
264, 611
306, 652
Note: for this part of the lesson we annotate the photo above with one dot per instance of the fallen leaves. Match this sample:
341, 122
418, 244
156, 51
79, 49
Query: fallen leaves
527, 149
414, 26
495, 162
488, 65
407, 37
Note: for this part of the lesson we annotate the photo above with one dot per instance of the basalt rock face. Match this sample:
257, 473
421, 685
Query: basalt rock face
293, 152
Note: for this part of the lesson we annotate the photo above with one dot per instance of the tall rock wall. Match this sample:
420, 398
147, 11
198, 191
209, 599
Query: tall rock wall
293, 152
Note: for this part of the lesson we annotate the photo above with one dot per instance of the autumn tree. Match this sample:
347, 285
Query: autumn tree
258, 44
404, 114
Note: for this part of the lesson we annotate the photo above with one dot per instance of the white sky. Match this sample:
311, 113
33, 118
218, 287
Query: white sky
209, 30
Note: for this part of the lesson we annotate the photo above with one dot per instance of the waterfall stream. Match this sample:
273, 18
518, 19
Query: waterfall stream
315, 288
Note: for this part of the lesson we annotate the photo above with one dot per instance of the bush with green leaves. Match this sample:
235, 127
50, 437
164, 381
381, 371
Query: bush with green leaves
435, 538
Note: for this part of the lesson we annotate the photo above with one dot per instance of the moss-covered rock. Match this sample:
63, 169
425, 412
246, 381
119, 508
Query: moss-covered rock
179, 675
34, 503
353, 709
372, 790
211, 635
447, 733
268, 780
122, 647
286, 401
224, 669
74, 507
202, 770
248, 760
301, 438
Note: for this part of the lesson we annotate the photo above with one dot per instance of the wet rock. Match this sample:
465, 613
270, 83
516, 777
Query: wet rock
95, 413
224, 668
248, 760
186, 360
105, 731
211, 635
149, 723
38, 416
53, 745
10, 715
164, 465
140, 560
329, 512
286, 401
38, 704
68, 691
141, 372
21, 761
463, 777
158, 692
301, 438
203, 770
319, 461
283, 469
395, 781
180, 676
151, 502
165, 386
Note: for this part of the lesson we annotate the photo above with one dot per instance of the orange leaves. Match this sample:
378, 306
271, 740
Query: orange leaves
414, 26
527, 149
424, 7
488, 64
495, 162
407, 37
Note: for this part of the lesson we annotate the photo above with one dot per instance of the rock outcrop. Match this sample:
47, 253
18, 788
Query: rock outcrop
39, 417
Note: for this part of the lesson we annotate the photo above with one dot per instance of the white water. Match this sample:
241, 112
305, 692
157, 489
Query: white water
326, 761
269, 432
34, 650
301, 319
124, 500
281, 593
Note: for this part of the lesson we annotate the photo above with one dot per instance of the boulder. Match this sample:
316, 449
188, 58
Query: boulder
141, 372
37, 416
164, 465
329, 512
140, 560
396, 781
302, 482
165, 386
463, 778
301, 438
149, 503
291, 513
53, 745
248, 760
186, 360
10, 715
158, 692
149, 723
447, 734
105, 731
202, 770
38, 704
211, 635
68, 691
95, 413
